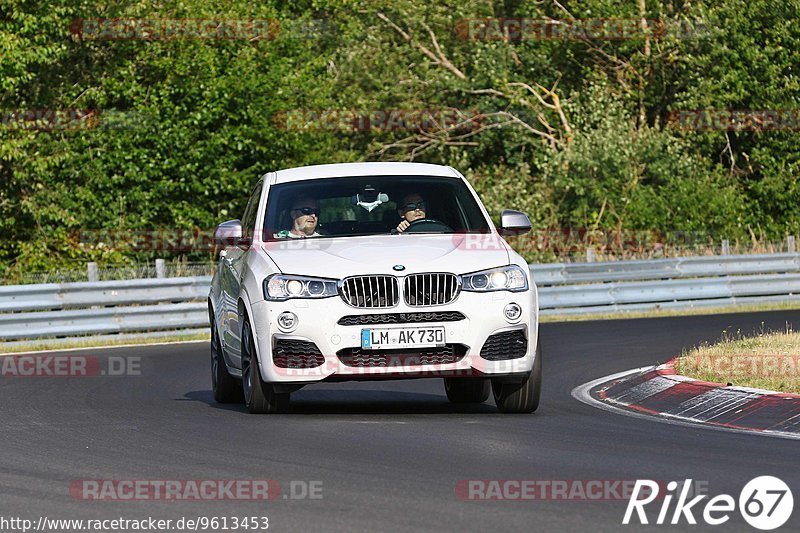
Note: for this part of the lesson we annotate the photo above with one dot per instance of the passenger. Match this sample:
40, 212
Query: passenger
411, 208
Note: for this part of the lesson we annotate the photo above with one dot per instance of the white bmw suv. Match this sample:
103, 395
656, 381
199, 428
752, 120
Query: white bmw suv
371, 271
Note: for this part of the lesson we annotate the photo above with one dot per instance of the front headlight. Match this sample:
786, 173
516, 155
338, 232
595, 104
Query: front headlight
280, 287
508, 278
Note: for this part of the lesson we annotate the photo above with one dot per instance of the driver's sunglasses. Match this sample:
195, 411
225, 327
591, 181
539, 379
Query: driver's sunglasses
307, 210
413, 206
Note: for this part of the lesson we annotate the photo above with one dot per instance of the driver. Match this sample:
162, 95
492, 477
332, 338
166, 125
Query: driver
305, 218
412, 208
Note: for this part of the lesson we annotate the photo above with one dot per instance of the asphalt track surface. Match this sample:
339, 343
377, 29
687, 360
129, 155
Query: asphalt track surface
388, 454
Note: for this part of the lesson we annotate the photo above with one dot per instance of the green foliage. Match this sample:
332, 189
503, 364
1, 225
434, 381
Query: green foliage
186, 126
620, 176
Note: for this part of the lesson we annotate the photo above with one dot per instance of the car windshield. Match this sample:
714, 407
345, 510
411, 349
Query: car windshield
344, 207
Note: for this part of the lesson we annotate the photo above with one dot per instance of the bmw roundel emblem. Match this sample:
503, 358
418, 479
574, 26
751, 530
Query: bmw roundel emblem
398, 268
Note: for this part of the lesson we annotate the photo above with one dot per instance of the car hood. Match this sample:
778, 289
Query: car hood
348, 256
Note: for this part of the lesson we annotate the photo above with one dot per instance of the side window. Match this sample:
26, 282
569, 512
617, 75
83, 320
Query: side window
251, 212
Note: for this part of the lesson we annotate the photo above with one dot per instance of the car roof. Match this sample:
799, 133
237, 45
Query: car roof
362, 169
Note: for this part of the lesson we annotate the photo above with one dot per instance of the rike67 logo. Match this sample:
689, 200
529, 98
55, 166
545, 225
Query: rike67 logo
765, 503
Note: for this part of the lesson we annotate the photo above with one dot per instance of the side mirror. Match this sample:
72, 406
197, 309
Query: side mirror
229, 233
514, 223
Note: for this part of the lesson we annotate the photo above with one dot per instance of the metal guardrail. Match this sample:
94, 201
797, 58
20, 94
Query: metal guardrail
683, 267
53, 296
75, 309
674, 293
103, 320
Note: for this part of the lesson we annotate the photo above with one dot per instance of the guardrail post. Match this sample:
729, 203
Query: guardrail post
726, 247
790, 244
92, 272
590, 255
161, 268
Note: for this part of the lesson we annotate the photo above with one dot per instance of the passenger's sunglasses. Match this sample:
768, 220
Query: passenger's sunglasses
307, 210
412, 206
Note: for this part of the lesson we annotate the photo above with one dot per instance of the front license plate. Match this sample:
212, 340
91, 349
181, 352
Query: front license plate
384, 338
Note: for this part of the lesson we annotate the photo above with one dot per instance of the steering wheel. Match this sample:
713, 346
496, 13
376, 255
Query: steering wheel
428, 225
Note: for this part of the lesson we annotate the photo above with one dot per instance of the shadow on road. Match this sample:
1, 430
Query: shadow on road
357, 402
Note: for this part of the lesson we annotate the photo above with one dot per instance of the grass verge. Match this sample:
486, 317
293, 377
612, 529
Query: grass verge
100, 341
659, 313
768, 361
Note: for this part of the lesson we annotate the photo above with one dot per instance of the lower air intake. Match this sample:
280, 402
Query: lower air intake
289, 353
505, 345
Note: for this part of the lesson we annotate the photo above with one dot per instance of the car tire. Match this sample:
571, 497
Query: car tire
520, 397
259, 397
467, 390
225, 387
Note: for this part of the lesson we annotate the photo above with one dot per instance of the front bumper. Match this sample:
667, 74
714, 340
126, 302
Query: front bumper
318, 324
